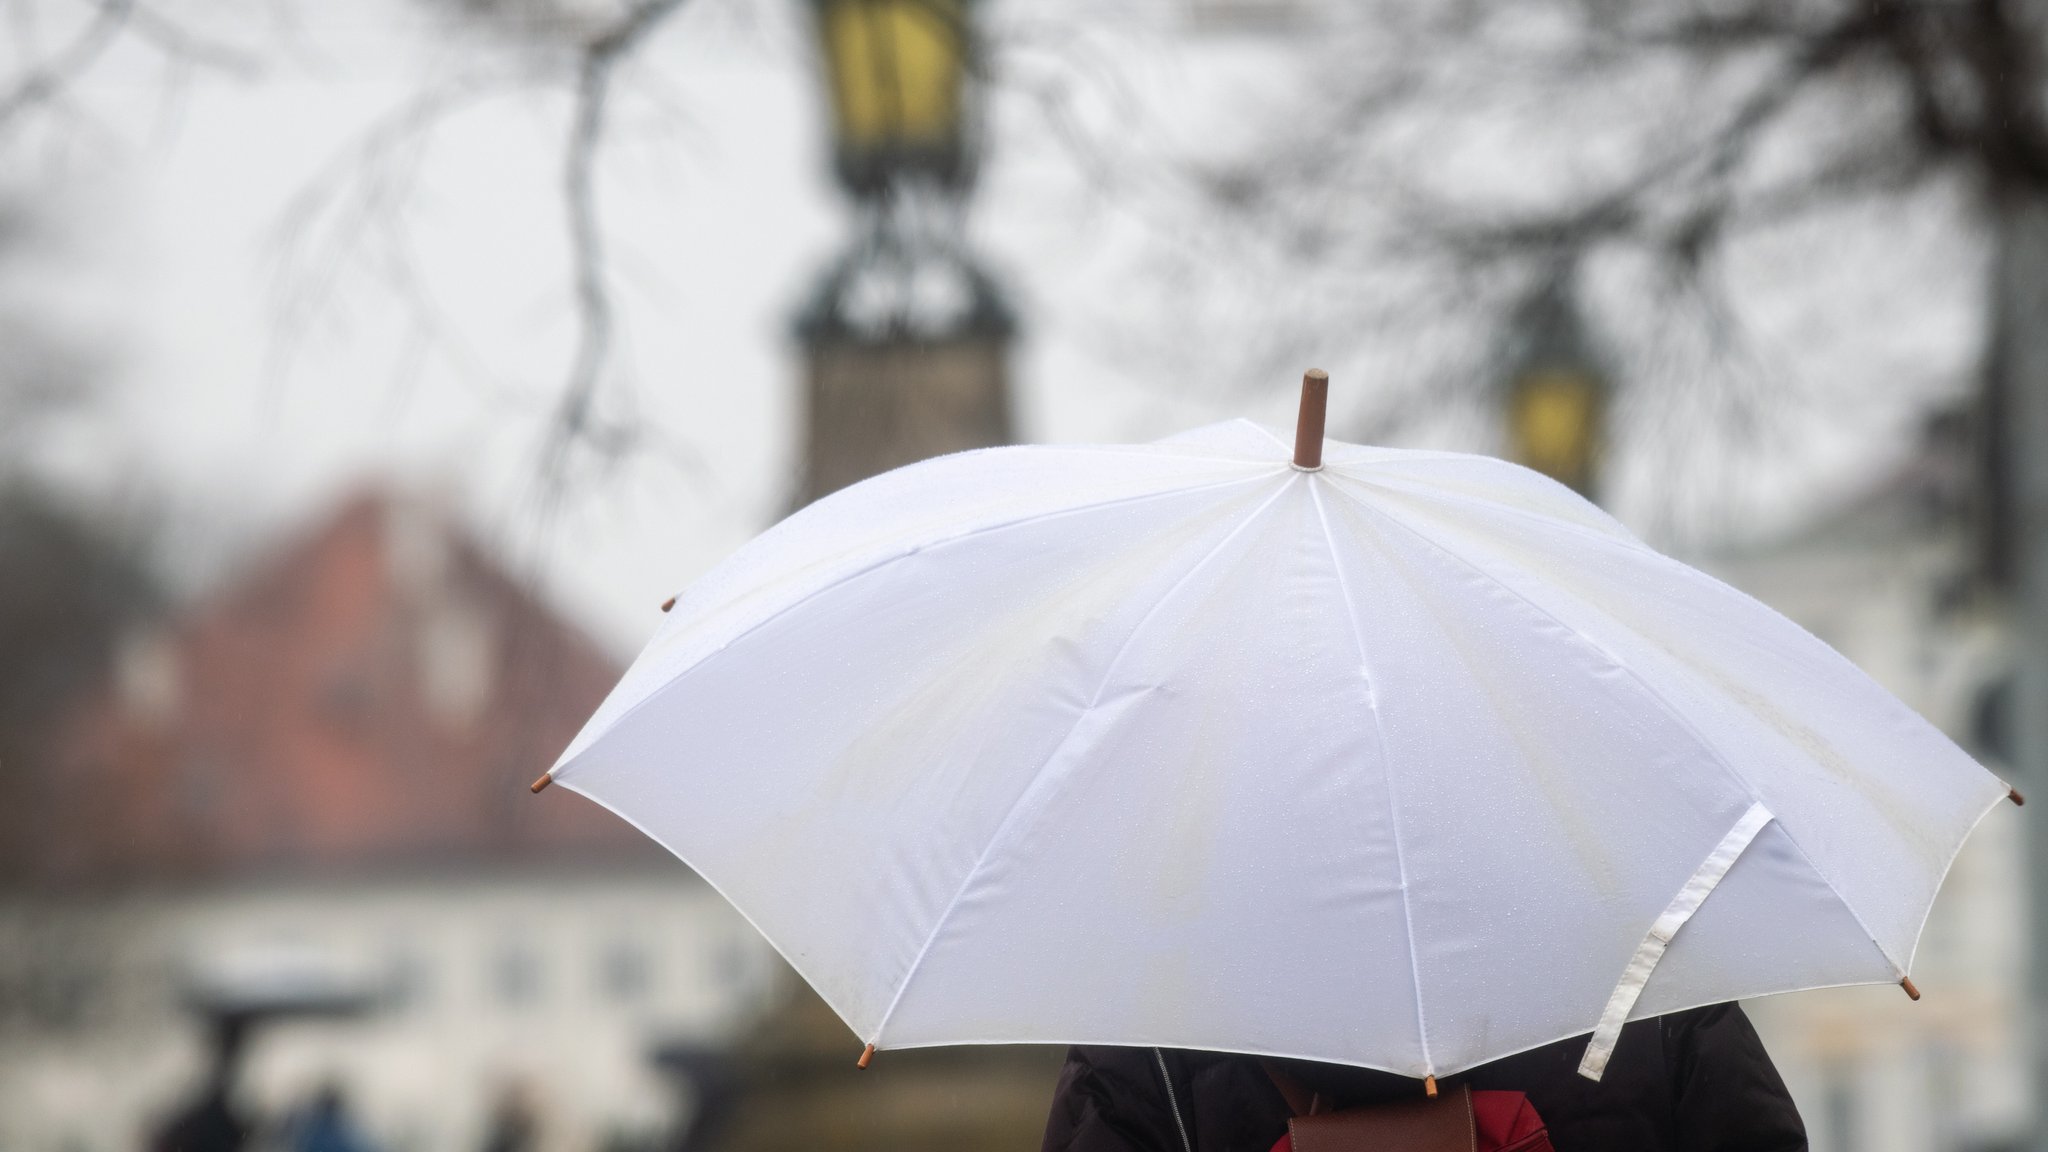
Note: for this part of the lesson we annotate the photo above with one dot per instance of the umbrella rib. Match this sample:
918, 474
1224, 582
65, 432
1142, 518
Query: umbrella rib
1038, 783
1649, 690
1380, 737
1418, 490
670, 679
1268, 434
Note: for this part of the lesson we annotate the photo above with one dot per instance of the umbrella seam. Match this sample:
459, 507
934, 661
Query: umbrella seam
1649, 690
1419, 490
1033, 785
1632, 543
1268, 434
1386, 766
677, 676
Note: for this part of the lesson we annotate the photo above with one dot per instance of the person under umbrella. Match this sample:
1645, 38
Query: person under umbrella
1692, 1081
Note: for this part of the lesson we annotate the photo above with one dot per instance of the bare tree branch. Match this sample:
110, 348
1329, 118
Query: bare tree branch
352, 213
575, 417
1673, 140
43, 83
113, 22
178, 42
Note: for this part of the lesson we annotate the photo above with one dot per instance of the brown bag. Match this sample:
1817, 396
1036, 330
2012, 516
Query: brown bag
1443, 1123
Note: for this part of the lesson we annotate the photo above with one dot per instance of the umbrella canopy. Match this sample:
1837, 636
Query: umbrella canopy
1411, 761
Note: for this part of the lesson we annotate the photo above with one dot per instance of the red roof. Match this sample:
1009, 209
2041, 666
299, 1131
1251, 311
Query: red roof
376, 695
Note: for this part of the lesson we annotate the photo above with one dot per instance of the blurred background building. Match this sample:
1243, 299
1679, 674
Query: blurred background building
623, 280
1887, 579
290, 811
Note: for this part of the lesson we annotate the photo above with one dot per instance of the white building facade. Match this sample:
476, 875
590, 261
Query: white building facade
552, 987
1887, 583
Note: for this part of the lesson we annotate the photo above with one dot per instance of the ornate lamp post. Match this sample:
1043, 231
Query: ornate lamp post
896, 71
1557, 392
905, 337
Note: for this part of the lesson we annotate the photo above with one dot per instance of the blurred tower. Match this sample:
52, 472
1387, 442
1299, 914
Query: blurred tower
1557, 390
2016, 399
905, 338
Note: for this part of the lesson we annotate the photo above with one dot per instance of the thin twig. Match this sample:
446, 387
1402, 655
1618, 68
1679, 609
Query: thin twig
596, 317
42, 84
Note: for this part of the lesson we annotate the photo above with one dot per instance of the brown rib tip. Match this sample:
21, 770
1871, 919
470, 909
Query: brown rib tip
1429, 1086
866, 1054
2013, 794
668, 604
1912, 993
1308, 425
546, 778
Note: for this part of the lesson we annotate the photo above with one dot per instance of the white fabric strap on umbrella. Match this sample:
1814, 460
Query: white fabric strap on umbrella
1651, 950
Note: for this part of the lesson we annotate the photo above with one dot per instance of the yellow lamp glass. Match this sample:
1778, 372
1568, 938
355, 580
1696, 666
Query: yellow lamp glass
1554, 425
895, 73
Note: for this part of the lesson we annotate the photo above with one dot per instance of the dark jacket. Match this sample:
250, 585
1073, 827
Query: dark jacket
1696, 1081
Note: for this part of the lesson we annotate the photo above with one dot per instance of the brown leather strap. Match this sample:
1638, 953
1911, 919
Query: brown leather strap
1442, 1124
1299, 1098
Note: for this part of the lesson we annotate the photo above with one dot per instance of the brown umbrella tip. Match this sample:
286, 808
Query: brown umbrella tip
1308, 426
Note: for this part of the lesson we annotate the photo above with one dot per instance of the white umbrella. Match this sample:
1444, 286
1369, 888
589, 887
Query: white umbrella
1411, 760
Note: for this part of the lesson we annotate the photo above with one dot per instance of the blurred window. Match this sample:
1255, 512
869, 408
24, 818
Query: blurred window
62, 990
148, 677
731, 965
625, 971
1839, 1107
199, 783
1944, 1065
516, 973
1991, 720
348, 698
409, 980
456, 660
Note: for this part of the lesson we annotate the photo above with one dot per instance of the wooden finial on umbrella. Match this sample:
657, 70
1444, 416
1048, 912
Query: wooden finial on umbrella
2013, 794
1308, 426
866, 1054
1906, 982
1429, 1086
546, 778
668, 604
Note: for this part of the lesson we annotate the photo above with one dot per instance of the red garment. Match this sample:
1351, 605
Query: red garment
1508, 1122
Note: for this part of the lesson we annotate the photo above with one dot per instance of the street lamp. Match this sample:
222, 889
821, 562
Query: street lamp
1557, 392
896, 72
905, 337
